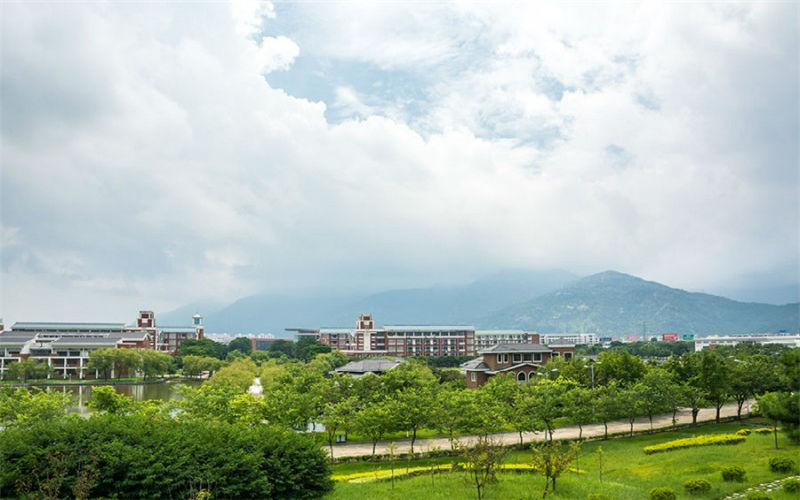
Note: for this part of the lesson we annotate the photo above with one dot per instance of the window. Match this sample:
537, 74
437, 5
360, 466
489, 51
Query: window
517, 358
567, 355
473, 376
521, 377
502, 358
537, 356
526, 356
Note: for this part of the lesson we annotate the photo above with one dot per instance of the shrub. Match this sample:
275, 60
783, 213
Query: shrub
781, 464
757, 495
733, 473
791, 485
146, 457
763, 430
697, 486
598, 496
743, 432
711, 439
662, 493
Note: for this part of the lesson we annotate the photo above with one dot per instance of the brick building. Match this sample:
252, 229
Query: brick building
521, 360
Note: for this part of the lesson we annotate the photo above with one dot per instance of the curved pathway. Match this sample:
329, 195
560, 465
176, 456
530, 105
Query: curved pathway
594, 430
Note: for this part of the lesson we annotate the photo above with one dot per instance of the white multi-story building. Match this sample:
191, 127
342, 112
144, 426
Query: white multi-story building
66, 346
485, 339
569, 338
789, 340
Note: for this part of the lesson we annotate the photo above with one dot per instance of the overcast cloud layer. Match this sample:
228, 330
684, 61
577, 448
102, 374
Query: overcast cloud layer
153, 154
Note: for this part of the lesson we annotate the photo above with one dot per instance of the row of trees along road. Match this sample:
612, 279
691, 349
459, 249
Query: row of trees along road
410, 398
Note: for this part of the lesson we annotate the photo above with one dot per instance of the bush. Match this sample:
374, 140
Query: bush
598, 496
791, 485
743, 432
781, 464
757, 495
763, 430
697, 486
662, 493
149, 457
711, 439
733, 473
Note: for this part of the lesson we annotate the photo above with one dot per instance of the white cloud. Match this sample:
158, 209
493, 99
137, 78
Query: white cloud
277, 53
168, 169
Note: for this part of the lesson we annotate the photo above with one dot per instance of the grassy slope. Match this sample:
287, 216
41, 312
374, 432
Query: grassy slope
628, 473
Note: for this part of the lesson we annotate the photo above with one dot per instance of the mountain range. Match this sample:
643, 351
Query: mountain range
607, 303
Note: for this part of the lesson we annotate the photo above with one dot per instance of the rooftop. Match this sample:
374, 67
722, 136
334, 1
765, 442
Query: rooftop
374, 365
503, 348
427, 328
68, 326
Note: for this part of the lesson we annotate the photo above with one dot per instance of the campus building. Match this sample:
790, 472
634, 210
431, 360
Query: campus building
66, 346
366, 339
523, 361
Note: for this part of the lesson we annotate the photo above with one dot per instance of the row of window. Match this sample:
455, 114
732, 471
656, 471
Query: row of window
519, 357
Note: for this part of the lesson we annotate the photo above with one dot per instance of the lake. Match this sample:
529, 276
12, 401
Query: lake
165, 391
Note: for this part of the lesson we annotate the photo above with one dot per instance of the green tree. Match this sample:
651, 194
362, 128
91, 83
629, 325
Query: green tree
193, 366
621, 366
373, 421
579, 405
482, 462
280, 348
153, 363
783, 408
22, 406
202, 347
714, 379
413, 407
751, 376
241, 344
549, 403
28, 369
694, 398
102, 361
552, 459
106, 399
608, 403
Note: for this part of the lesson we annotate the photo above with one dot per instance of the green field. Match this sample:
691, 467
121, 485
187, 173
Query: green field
627, 472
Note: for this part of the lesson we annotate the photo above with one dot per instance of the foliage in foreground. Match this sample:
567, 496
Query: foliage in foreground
691, 442
112, 455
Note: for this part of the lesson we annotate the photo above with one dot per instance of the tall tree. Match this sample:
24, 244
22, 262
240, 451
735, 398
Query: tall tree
714, 379
241, 344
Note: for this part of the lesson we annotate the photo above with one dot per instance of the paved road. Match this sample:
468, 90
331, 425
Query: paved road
662, 421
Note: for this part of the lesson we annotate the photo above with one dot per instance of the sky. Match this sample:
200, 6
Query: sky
156, 154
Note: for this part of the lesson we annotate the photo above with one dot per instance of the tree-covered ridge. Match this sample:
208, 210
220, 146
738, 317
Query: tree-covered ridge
613, 303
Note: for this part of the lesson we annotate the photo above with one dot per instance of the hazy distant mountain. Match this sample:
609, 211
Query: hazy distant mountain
183, 315
613, 303
452, 304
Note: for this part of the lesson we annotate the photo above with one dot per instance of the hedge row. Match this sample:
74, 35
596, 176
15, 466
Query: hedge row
111, 456
708, 440
406, 472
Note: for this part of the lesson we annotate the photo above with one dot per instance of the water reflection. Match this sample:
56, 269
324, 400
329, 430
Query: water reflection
165, 391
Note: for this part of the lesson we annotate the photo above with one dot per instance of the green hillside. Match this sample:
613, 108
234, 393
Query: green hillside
613, 303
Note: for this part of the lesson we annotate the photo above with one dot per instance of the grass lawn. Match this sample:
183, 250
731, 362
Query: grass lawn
627, 472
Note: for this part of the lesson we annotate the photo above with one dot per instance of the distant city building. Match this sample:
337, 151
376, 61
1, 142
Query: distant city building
66, 346
712, 341
569, 338
488, 338
401, 340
